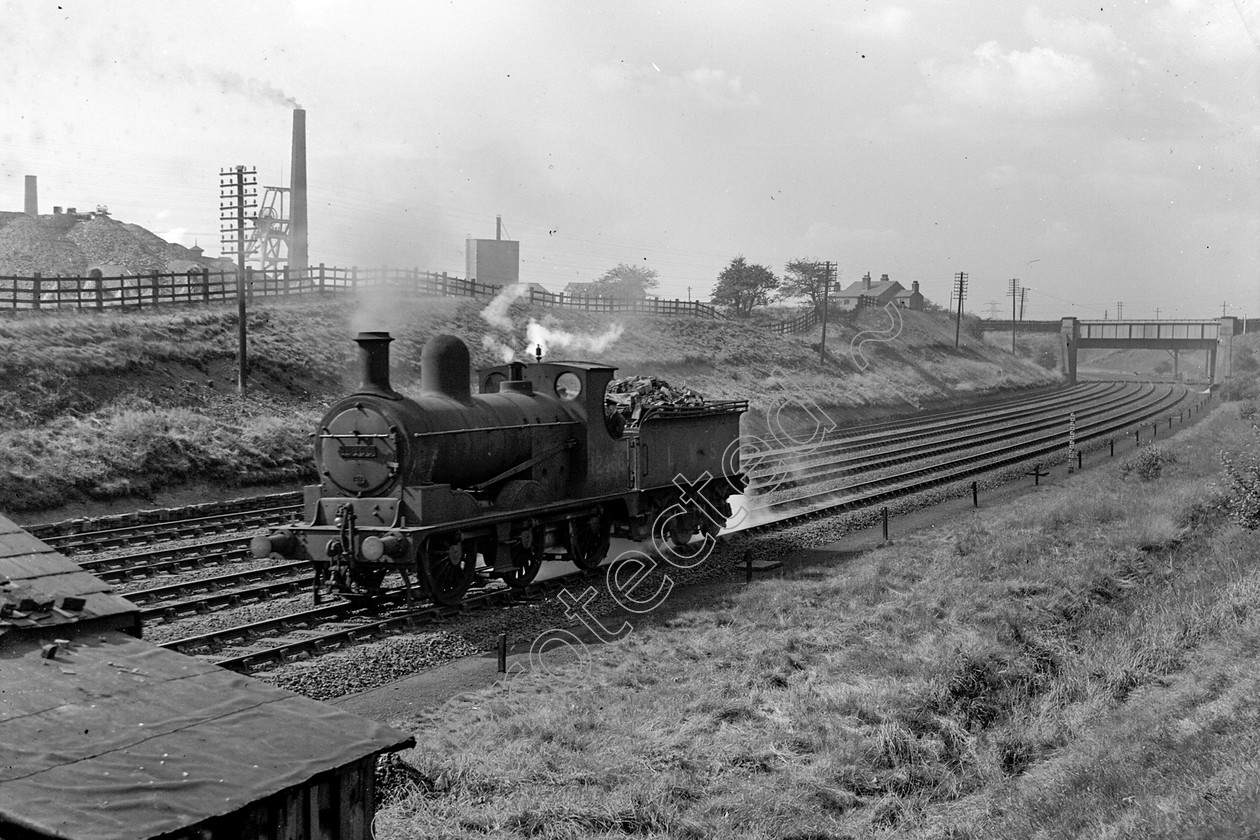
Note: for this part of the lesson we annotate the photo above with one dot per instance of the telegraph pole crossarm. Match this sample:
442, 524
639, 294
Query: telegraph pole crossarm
236, 193
829, 273
1012, 293
961, 281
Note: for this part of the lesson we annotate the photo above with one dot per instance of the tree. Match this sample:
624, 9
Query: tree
626, 281
805, 278
744, 287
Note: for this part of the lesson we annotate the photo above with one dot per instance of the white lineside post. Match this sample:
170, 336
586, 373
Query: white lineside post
1071, 440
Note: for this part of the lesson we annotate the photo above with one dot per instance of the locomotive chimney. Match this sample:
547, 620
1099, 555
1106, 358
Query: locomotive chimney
299, 254
445, 368
374, 361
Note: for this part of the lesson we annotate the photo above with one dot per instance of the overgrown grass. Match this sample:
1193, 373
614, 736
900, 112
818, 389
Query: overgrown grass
971, 683
137, 451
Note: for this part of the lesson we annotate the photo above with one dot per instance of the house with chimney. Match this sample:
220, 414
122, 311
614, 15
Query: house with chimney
581, 290
865, 292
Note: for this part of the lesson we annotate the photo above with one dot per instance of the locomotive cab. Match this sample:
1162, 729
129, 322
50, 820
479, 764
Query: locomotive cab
581, 384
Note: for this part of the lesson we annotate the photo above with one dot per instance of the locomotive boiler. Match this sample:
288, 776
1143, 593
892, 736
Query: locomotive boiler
453, 485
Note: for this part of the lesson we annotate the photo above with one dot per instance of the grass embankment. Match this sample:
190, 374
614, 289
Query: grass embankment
1081, 663
125, 405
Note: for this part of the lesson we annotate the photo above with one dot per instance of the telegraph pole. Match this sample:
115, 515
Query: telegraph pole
1023, 294
234, 200
961, 280
829, 272
1012, 293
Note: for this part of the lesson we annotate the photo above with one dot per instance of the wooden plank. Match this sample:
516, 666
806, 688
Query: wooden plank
290, 814
323, 823
354, 811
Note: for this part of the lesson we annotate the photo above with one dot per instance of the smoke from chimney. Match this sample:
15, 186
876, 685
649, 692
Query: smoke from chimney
32, 197
299, 253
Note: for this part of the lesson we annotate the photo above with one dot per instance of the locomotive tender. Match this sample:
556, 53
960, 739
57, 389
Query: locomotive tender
532, 468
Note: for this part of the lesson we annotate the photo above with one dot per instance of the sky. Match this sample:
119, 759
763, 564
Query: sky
1101, 153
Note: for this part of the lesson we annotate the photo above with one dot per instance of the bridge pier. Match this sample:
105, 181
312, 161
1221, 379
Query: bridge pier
1070, 335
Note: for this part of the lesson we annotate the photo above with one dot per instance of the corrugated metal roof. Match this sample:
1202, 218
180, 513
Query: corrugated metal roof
35, 580
120, 738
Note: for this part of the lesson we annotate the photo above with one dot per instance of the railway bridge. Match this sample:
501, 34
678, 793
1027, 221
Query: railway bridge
1206, 335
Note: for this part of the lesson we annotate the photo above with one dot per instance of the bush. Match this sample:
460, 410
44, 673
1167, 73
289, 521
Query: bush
1243, 472
1148, 464
1242, 388
1247, 411
1245, 360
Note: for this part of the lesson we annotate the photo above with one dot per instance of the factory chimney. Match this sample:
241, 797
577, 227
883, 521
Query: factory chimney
299, 253
32, 197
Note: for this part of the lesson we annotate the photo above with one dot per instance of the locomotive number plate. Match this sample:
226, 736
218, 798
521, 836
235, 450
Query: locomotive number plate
357, 453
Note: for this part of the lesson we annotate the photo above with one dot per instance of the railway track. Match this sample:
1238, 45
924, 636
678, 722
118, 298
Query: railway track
332, 627
149, 527
965, 444
1026, 448
871, 435
835, 460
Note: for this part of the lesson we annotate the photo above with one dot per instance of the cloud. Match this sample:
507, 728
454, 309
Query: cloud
177, 235
1073, 35
890, 23
1000, 177
716, 89
1039, 84
1213, 31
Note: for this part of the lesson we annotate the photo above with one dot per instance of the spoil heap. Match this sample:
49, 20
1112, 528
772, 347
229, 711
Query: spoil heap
73, 244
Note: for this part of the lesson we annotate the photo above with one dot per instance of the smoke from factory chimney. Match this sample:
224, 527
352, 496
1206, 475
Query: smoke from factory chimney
32, 197
299, 251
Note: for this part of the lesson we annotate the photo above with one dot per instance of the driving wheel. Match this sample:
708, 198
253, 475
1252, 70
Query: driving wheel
447, 567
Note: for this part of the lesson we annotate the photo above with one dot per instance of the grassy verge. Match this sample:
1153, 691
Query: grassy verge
1080, 663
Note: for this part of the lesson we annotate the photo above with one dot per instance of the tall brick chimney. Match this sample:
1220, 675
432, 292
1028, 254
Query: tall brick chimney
32, 197
866, 280
299, 253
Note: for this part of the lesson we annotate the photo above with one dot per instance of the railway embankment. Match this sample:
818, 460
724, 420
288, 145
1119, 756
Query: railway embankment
113, 410
1078, 662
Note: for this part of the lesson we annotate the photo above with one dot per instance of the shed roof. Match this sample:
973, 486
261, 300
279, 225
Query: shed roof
120, 738
35, 581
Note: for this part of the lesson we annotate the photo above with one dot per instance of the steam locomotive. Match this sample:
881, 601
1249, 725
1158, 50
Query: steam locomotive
451, 486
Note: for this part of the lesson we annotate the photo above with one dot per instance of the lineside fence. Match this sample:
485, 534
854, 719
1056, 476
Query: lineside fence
805, 321
205, 286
